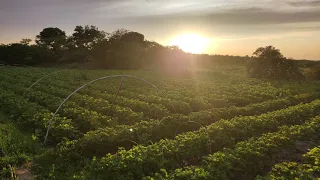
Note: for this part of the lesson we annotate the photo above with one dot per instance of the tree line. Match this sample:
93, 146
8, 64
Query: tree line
86, 44
121, 49
125, 49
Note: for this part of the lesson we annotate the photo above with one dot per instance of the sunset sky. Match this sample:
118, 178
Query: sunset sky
234, 27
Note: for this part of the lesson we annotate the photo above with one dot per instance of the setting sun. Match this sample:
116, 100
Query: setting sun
192, 43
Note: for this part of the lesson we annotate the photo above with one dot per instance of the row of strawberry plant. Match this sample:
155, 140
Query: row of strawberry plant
85, 119
102, 106
245, 161
308, 168
35, 118
143, 160
190, 147
126, 97
16, 71
149, 110
258, 88
135, 101
241, 87
255, 88
73, 85
84, 114
195, 103
216, 101
146, 110
16, 147
109, 139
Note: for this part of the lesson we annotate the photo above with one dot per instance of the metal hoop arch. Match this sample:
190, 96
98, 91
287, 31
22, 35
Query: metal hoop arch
88, 83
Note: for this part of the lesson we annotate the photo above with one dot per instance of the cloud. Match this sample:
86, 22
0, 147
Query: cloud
249, 9
304, 3
36, 4
250, 16
269, 36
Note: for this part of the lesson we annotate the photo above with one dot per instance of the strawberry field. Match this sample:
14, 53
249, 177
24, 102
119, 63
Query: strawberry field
146, 125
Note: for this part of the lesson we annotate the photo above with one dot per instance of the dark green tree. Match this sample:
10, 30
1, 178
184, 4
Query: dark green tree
268, 62
87, 36
268, 52
26, 41
117, 34
52, 38
80, 44
124, 49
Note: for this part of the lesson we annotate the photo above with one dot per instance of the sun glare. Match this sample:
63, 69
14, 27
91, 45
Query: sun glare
192, 43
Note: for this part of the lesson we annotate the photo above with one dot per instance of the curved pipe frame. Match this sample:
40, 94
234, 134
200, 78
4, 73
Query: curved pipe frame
88, 83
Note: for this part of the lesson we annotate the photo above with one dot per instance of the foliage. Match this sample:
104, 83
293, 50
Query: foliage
200, 128
124, 46
85, 37
268, 52
25, 41
16, 148
271, 64
308, 169
80, 44
189, 147
52, 38
249, 158
89, 47
313, 73
23, 54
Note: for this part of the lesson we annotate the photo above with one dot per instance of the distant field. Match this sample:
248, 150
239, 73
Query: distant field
213, 124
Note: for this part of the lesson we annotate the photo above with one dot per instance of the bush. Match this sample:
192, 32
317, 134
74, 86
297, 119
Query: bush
273, 69
313, 73
22, 54
271, 64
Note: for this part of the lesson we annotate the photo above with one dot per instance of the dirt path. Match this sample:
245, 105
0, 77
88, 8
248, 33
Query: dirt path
24, 174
